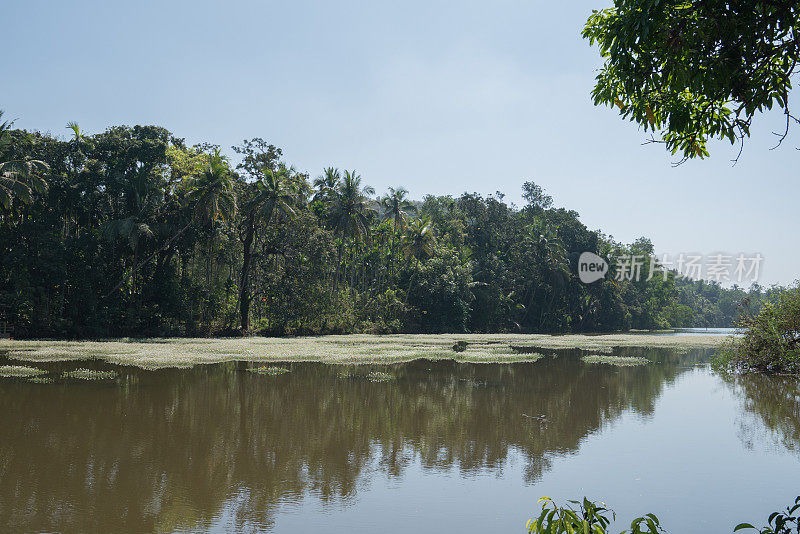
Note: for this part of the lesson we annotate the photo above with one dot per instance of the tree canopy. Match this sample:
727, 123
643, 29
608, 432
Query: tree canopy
138, 234
692, 70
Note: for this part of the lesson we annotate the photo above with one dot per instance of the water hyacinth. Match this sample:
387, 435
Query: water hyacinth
10, 371
41, 380
90, 374
271, 370
620, 361
380, 376
343, 349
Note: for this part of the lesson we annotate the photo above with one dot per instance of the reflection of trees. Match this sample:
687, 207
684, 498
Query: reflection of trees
775, 400
170, 449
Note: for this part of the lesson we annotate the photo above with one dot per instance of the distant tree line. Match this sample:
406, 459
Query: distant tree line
131, 232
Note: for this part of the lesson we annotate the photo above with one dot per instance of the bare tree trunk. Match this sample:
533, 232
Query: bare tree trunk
244, 289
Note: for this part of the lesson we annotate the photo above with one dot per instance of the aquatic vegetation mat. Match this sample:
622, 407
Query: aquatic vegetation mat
344, 349
621, 361
89, 374
269, 370
10, 371
380, 376
41, 380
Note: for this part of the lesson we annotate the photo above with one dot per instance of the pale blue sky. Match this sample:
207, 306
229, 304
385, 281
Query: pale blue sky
439, 97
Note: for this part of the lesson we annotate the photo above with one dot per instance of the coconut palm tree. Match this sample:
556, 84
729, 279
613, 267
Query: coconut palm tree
352, 208
327, 184
213, 194
419, 241
212, 191
351, 213
396, 207
274, 194
19, 179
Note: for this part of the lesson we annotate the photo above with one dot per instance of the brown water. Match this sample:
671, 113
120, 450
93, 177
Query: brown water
443, 447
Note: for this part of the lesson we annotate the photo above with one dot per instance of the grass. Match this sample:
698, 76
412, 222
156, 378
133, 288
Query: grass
358, 348
620, 361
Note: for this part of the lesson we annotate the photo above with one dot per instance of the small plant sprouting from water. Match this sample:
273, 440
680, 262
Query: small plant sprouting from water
271, 370
90, 374
587, 517
621, 361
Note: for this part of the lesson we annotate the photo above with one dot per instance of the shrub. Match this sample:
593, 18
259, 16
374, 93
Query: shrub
771, 340
589, 517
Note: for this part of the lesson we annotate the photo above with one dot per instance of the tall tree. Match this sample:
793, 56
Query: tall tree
396, 207
351, 213
274, 194
19, 178
213, 194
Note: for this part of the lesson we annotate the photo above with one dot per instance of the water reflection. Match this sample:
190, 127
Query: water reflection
772, 402
173, 449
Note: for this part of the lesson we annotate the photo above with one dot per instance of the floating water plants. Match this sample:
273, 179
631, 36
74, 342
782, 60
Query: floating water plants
41, 380
620, 361
379, 376
269, 370
90, 374
20, 371
349, 349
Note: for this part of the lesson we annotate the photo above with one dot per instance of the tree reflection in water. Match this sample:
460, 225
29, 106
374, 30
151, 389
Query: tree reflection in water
772, 402
174, 449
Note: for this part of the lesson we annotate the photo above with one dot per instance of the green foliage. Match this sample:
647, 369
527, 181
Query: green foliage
21, 177
771, 339
584, 518
137, 234
588, 517
778, 522
690, 71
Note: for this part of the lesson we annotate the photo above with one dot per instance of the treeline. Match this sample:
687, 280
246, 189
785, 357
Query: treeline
131, 232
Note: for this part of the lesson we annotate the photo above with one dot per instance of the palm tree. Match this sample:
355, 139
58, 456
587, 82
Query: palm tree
213, 193
130, 228
273, 194
327, 184
396, 207
352, 210
19, 179
419, 243
351, 213
551, 256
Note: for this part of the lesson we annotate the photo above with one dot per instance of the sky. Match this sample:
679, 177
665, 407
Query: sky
438, 97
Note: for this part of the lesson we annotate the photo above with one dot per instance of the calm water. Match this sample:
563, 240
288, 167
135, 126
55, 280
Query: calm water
444, 447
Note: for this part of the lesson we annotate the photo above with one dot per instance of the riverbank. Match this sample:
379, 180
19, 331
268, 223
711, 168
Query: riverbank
480, 348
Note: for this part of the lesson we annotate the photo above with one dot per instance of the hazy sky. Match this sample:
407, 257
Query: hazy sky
438, 97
